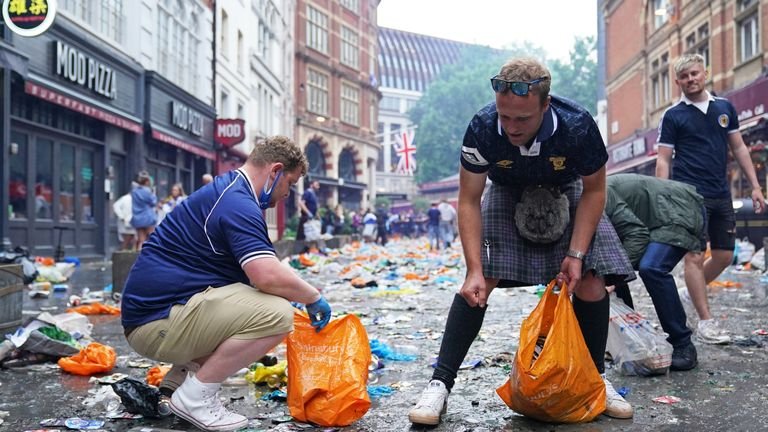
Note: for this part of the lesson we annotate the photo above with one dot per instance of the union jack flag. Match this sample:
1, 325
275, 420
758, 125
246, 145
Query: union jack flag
405, 150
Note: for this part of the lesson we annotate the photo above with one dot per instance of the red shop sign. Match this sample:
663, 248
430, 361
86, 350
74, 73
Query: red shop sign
230, 131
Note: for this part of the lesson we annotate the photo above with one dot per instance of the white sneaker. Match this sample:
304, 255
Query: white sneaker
176, 376
199, 404
431, 406
709, 332
615, 405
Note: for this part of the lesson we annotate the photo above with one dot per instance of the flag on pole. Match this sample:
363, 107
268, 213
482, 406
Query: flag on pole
405, 149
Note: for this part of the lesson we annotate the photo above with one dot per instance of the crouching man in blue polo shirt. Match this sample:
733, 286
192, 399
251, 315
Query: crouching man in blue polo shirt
207, 292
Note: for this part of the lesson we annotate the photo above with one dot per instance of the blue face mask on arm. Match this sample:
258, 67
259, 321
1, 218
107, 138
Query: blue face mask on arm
266, 194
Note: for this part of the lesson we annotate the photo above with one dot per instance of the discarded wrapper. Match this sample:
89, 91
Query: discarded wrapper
667, 399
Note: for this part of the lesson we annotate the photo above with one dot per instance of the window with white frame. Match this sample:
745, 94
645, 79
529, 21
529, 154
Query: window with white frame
748, 32
660, 87
661, 12
178, 44
697, 42
103, 16
240, 59
352, 5
350, 104
317, 30
350, 53
224, 34
317, 92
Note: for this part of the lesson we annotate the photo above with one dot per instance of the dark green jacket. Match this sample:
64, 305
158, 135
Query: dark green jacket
647, 209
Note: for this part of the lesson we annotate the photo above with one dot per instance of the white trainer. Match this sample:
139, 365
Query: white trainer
176, 376
615, 405
431, 406
199, 404
709, 332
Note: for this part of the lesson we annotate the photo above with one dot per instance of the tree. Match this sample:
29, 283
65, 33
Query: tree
447, 106
577, 80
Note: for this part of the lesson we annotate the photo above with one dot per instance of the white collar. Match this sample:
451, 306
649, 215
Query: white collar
702, 106
546, 131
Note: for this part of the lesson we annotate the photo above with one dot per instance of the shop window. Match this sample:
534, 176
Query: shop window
66, 183
17, 188
44, 179
316, 159
86, 185
347, 166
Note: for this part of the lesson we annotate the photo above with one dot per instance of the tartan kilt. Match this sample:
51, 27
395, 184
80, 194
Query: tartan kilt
517, 261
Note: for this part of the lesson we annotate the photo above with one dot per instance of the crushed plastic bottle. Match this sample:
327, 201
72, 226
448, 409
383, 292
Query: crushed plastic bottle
273, 376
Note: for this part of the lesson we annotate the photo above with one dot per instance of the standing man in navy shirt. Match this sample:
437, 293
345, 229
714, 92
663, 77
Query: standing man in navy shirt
699, 130
308, 206
544, 157
207, 292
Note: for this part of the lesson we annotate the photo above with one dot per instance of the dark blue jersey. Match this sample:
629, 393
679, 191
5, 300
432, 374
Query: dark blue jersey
701, 145
206, 241
568, 145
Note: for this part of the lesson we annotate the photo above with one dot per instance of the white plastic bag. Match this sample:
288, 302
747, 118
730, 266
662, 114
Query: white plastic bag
745, 250
758, 260
312, 230
636, 347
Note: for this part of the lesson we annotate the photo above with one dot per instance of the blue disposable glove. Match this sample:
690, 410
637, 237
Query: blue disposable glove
319, 313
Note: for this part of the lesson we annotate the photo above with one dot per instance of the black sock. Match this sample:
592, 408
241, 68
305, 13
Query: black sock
593, 321
461, 329
622, 291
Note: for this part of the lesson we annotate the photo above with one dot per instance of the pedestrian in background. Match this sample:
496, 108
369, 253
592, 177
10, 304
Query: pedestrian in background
699, 131
123, 209
433, 227
176, 197
208, 294
658, 222
144, 213
447, 222
206, 178
308, 207
545, 157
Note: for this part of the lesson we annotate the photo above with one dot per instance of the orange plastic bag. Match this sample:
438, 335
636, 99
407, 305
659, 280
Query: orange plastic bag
562, 385
93, 359
156, 374
328, 371
95, 309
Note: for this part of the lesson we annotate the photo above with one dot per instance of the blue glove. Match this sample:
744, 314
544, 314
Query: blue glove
319, 313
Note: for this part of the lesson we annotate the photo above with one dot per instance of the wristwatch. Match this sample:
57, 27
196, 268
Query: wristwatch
575, 254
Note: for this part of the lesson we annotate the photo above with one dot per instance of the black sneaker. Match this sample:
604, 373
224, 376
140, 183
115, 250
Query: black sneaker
684, 358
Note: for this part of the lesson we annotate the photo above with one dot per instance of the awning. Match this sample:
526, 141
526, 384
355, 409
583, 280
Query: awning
85, 108
176, 142
13, 60
636, 162
752, 122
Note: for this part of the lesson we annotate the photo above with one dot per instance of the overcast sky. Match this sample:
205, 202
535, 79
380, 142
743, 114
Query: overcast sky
551, 24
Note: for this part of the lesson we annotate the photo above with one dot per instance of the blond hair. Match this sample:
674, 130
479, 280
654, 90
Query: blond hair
281, 149
528, 69
687, 60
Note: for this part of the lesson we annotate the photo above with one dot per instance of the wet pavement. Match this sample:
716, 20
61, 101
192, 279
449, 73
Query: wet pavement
727, 391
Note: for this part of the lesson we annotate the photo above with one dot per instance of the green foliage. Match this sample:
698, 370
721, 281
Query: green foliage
450, 102
577, 80
383, 202
420, 204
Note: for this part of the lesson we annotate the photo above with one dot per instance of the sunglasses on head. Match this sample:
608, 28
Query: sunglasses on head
520, 88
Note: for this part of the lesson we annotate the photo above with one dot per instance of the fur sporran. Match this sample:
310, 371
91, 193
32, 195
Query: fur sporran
542, 214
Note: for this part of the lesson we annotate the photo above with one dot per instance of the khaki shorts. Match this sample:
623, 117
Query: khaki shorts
196, 329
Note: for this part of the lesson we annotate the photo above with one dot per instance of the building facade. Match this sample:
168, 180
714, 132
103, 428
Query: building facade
408, 62
109, 89
642, 41
337, 98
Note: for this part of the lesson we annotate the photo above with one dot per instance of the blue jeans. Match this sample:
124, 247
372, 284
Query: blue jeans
655, 267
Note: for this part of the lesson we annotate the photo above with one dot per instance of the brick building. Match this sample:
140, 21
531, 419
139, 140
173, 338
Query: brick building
337, 98
642, 41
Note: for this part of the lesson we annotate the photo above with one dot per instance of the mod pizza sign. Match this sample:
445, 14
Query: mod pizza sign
29, 17
230, 131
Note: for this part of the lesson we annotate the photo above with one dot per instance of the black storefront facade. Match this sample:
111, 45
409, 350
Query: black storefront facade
178, 136
72, 132
79, 120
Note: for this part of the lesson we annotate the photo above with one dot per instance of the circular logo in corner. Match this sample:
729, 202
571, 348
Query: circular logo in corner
29, 18
723, 120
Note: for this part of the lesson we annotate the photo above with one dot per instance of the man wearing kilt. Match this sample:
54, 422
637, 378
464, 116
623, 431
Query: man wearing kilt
541, 218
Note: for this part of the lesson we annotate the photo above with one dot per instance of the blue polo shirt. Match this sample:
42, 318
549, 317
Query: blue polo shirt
204, 242
310, 200
568, 145
700, 141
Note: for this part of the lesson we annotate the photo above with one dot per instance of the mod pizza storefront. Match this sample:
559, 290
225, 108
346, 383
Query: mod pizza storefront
75, 123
